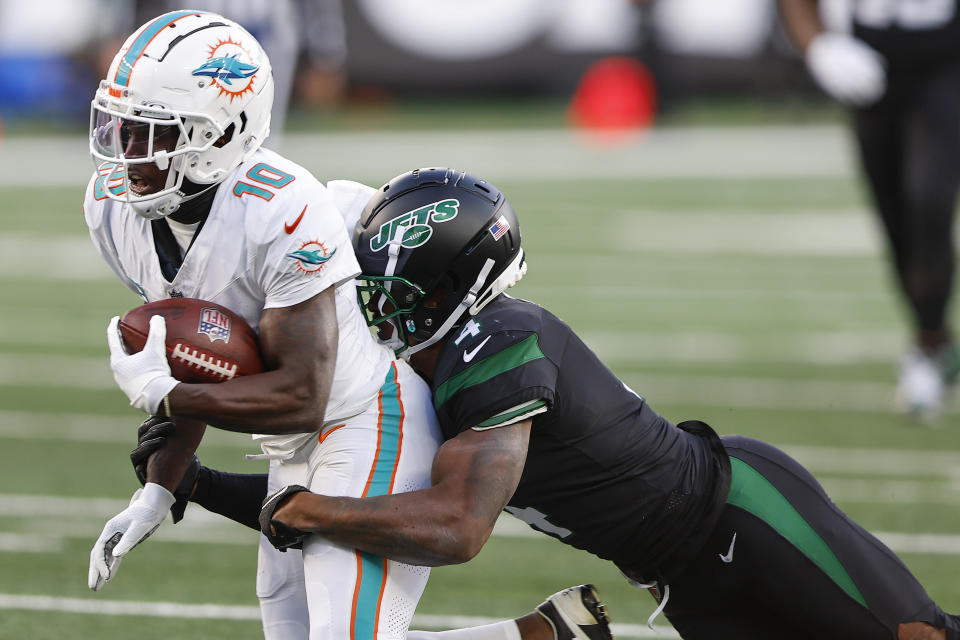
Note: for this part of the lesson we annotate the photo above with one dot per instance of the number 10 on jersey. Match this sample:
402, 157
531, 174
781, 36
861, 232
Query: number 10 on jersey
265, 175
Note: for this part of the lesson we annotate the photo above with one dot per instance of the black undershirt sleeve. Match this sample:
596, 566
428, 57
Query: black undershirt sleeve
237, 496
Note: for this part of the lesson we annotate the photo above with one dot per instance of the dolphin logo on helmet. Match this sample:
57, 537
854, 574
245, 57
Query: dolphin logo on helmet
226, 69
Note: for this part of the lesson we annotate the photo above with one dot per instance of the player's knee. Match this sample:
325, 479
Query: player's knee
919, 631
284, 612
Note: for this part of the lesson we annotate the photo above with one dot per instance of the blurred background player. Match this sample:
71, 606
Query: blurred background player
896, 64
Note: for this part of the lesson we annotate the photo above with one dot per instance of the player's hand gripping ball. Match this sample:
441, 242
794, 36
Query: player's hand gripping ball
205, 342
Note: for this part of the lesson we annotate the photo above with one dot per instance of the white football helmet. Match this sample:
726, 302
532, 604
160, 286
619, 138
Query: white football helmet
189, 94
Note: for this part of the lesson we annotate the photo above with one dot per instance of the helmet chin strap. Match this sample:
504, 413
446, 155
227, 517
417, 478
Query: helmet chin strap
393, 253
168, 204
451, 320
395, 342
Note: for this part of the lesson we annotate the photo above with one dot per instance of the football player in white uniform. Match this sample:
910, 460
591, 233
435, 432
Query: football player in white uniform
184, 202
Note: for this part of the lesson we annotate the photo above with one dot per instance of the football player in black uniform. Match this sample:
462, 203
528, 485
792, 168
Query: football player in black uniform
734, 538
899, 71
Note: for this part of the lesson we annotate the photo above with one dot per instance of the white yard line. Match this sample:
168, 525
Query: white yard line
54, 519
547, 155
47, 370
696, 346
766, 393
234, 612
30, 543
622, 349
803, 232
74, 427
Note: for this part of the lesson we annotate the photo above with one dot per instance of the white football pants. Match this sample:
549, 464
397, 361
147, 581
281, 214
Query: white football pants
330, 592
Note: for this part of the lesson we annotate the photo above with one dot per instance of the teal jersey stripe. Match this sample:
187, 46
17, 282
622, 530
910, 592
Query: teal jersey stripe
753, 493
510, 358
370, 585
136, 49
506, 417
372, 575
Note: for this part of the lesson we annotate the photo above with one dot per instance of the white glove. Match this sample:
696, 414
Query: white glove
148, 507
144, 376
847, 68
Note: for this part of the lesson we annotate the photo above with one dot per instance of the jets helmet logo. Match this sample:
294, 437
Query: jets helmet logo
413, 226
230, 68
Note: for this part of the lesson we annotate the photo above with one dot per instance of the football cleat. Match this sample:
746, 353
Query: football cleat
576, 613
924, 381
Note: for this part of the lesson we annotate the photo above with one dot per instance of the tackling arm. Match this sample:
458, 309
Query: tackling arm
474, 476
299, 348
167, 465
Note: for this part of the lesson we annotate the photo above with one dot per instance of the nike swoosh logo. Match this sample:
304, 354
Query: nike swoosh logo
290, 228
729, 557
468, 355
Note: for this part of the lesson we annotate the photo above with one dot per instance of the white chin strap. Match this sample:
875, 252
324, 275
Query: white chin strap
167, 204
395, 342
467, 302
157, 207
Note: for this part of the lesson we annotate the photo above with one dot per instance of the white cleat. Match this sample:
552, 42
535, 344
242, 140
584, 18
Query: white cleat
576, 613
921, 388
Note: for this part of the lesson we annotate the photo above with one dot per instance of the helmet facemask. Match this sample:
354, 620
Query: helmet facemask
420, 319
391, 300
127, 140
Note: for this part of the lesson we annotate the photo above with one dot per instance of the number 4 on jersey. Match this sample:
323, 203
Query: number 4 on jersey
472, 328
538, 520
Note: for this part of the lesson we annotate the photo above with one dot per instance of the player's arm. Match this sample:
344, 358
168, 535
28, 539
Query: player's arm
167, 466
845, 67
237, 496
474, 476
801, 20
299, 348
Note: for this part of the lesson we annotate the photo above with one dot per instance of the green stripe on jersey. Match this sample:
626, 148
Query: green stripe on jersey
510, 358
507, 416
753, 493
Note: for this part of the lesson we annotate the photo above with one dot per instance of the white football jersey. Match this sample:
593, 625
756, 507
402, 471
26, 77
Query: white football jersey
275, 236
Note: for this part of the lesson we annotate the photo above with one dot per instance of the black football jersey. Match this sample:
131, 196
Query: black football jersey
911, 34
604, 472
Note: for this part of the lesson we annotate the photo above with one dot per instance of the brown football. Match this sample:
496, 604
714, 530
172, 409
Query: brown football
206, 342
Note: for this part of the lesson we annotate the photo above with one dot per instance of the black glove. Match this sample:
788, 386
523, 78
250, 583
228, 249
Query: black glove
151, 437
281, 536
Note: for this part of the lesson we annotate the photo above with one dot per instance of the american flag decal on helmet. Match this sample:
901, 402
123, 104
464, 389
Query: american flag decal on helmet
500, 227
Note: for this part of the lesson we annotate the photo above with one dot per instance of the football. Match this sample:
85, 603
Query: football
206, 342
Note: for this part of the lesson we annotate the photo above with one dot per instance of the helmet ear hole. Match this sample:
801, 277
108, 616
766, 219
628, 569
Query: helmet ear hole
435, 298
226, 137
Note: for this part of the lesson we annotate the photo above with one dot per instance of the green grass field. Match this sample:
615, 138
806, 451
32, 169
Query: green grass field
760, 306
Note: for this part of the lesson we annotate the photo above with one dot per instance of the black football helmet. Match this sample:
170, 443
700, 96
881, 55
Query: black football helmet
434, 230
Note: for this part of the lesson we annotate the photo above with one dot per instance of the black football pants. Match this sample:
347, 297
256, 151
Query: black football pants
910, 150
798, 568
